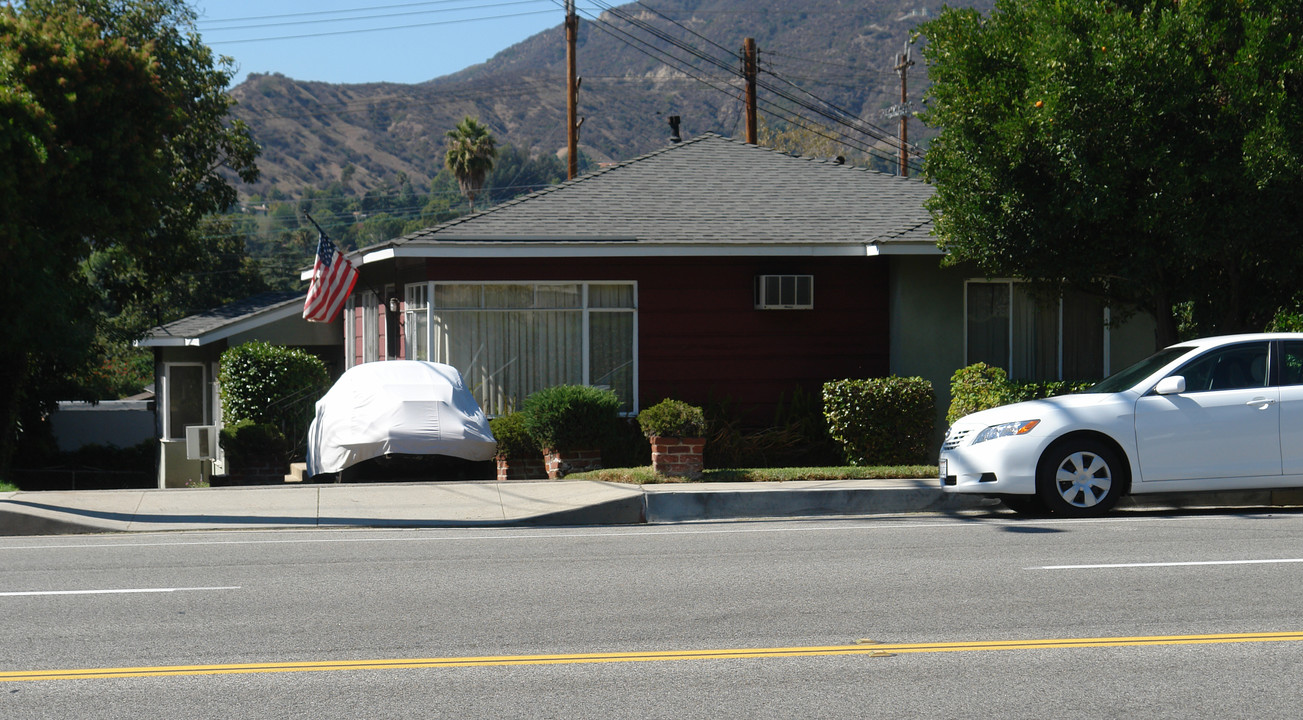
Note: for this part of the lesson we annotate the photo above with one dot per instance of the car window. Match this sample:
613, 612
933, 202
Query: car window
1126, 379
1229, 368
1291, 363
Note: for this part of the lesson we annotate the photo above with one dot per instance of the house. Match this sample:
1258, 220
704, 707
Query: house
711, 270
186, 366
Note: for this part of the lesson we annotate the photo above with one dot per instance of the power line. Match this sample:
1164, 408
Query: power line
256, 26
377, 29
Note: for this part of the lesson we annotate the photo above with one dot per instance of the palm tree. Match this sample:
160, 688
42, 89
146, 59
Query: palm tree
471, 151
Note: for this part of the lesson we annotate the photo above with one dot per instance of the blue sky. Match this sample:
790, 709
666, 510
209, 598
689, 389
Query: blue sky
355, 41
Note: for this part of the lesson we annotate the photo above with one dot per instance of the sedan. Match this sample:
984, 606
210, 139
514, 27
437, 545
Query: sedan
1223, 413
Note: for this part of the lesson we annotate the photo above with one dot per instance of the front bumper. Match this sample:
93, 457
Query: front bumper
1003, 466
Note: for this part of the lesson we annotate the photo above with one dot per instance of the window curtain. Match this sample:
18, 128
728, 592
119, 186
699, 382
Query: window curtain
988, 323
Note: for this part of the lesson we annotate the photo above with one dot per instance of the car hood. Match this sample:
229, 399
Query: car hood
1043, 408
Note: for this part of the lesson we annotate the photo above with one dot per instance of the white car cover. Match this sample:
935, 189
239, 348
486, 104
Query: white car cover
405, 407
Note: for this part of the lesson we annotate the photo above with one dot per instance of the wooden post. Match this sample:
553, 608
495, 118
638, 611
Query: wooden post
749, 72
572, 93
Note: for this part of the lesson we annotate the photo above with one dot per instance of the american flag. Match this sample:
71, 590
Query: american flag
333, 278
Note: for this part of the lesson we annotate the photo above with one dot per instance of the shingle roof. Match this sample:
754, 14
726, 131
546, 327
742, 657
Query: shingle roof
191, 330
706, 190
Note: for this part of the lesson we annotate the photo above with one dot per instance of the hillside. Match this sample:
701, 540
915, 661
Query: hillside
841, 51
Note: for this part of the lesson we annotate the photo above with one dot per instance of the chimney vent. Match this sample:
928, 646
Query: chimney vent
674, 129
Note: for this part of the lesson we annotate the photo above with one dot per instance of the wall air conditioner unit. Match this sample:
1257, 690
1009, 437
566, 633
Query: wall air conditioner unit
784, 292
200, 442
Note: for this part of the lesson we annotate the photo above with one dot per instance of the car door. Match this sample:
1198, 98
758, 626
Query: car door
1291, 407
1225, 425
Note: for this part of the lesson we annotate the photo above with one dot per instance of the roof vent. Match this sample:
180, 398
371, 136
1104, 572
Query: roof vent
674, 129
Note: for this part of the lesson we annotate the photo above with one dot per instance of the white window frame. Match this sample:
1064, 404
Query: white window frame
586, 316
1009, 352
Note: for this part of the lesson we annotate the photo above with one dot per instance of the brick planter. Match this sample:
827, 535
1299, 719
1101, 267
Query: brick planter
531, 468
677, 456
563, 462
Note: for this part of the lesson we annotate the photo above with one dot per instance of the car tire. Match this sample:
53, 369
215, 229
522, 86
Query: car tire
1026, 505
1080, 478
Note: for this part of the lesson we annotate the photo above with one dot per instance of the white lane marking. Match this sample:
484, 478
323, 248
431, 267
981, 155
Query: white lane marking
1168, 564
123, 591
879, 523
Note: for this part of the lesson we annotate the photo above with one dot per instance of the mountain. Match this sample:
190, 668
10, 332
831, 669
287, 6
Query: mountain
639, 63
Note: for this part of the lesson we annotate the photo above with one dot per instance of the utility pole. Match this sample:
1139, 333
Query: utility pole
572, 93
749, 73
903, 64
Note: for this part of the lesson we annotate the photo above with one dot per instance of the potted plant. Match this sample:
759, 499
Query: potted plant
518, 456
676, 431
571, 423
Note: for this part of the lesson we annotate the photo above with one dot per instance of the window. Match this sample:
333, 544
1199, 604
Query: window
1061, 340
1291, 363
784, 292
186, 402
370, 327
511, 339
1231, 368
416, 323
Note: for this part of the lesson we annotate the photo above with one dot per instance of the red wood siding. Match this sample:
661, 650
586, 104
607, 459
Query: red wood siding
700, 337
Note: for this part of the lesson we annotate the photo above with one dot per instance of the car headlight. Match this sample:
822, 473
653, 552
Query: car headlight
1009, 429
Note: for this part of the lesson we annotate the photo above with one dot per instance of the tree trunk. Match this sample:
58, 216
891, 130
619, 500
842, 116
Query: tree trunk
13, 368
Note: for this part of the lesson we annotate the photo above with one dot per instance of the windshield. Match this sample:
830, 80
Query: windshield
1126, 379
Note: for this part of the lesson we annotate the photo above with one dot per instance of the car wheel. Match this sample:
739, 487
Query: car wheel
1080, 478
1029, 505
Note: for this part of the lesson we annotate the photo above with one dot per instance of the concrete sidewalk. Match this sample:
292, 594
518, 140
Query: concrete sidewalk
459, 504
541, 503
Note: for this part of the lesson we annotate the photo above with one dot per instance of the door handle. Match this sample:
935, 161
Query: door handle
1264, 402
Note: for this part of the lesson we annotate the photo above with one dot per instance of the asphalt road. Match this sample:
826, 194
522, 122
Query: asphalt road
978, 615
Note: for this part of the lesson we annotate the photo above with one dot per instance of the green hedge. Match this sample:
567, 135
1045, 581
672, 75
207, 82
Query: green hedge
571, 417
881, 421
252, 443
981, 387
274, 385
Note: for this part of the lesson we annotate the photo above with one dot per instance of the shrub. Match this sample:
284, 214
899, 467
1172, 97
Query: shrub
977, 387
271, 384
571, 417
672, 418
247, 442
981, 387
513, 439
881, 421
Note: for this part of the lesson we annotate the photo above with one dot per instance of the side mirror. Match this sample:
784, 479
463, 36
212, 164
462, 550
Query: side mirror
1170, 385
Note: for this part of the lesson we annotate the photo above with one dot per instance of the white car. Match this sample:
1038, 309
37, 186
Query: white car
1222, 413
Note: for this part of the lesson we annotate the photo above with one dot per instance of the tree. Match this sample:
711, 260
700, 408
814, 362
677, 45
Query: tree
114, 138
1147, 151
470, 156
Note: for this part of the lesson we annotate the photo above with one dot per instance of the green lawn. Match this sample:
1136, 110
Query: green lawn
644, 475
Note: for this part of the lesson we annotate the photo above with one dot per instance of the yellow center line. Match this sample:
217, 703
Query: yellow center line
864, 648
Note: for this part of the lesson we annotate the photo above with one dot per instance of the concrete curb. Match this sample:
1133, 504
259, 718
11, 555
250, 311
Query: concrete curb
524, 504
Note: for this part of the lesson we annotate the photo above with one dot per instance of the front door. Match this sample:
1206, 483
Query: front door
1225, 425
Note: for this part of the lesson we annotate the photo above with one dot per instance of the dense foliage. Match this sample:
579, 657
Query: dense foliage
272, 385
514, 441
115, 139
981, 387
1146, 151
571, 417
881, 421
